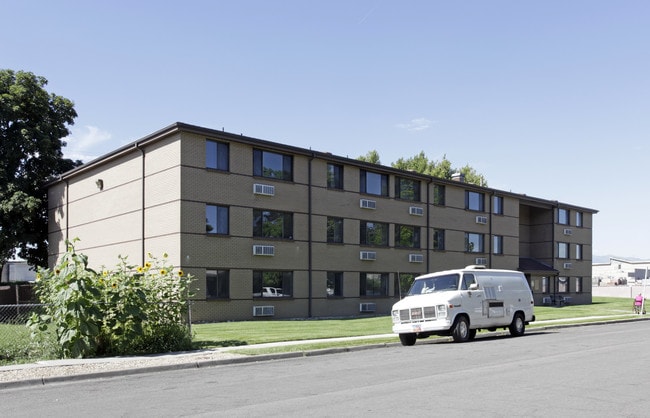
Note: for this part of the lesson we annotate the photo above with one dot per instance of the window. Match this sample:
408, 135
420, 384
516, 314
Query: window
374, 233
473, 242
438, 195
579, 217
439, 239
373, 284
407, 236
334, 176
334, 283
545, 285
563, 284
217, 155
467, 280
272, 284
272, 165
474, 201
578, 284
562, 250
497, 205
563, 216
374, 183
578, 251
217, 284
216, 220
497, 244
407, 189
271, 224
334, 230
405, 282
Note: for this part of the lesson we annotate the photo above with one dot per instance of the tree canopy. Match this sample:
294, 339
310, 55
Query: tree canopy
421, 164
32, 125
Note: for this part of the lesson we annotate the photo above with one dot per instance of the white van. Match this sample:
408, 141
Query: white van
461, 302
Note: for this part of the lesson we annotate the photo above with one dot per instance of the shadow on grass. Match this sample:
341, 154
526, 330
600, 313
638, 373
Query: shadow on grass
212, 344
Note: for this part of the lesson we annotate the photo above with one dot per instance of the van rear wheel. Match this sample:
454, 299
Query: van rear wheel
407, 339
518, 325
460, 331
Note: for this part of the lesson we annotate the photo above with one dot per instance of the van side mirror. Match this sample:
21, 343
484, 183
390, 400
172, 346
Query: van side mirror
473, 286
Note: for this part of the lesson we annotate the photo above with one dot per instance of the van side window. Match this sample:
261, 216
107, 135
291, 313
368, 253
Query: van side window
468, 279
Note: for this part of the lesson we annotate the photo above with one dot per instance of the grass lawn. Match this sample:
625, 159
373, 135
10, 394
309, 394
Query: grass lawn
227, 334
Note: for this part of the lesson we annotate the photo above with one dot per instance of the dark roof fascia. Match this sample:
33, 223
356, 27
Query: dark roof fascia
126, 149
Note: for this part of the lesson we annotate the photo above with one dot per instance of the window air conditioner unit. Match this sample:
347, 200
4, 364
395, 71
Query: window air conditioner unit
416, 258
367, 307
368, 255
567, 265
264, 250
263, 189
568, 231
263, 310
481, 220
416, 210
481, 261
368, 204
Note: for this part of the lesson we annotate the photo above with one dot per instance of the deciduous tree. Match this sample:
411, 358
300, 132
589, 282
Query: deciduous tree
33, 123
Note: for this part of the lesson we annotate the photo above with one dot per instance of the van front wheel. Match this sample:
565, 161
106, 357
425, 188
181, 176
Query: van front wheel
407, 339
460, 331
518, 325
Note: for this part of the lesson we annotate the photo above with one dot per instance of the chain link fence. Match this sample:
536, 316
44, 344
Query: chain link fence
15, 341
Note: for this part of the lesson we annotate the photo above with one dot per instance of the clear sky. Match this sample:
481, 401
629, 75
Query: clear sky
547, 98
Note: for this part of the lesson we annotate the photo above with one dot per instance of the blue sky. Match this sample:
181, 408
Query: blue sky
548, 98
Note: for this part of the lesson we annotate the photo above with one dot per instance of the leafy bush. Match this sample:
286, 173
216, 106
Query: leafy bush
113, 312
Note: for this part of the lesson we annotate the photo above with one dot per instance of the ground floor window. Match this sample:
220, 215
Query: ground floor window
563, 285
404, 283
334, 283
578, 284
272, 284
373, 284
217, 284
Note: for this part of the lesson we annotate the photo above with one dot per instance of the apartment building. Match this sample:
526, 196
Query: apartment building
275, 231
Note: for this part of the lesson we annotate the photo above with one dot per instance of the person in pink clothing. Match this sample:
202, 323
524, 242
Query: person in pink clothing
638, 302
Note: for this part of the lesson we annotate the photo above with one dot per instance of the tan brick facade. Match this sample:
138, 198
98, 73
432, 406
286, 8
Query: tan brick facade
151, 196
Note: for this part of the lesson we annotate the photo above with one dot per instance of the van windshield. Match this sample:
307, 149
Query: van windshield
434, 284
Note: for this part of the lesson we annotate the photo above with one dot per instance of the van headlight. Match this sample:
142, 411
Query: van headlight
442, 311
395, 315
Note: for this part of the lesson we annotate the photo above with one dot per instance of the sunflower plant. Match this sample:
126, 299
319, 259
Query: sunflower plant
124, 310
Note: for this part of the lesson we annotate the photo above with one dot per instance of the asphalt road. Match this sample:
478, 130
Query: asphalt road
588, 371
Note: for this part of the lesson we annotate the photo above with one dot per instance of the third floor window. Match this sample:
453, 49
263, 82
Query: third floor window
407, 189
334, 176
217, 155
272, 165
475, 201
374, 183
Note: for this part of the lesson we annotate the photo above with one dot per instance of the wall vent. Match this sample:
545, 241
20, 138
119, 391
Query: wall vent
481, 220
263, 189
367, 307
568, 231
368, 204
263, 310
567, 265
416, 210
268, 250
481, 261
368, 255
416, 258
